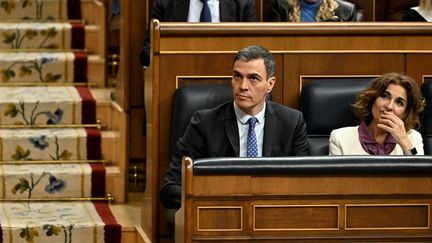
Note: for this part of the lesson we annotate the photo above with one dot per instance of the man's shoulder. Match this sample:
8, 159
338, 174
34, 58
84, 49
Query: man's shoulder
282, 109
215, 111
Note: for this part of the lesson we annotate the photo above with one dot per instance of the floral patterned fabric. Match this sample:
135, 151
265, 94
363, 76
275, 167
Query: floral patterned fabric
35, 35
46, 144
27, 29
33, 9
37, 67
48, 181
70, 222
43, 105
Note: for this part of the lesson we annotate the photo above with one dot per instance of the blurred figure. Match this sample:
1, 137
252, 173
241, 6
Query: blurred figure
198, 11
310, 11
389, 112
420, 13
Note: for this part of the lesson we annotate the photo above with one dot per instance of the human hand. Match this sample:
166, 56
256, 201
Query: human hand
394, 125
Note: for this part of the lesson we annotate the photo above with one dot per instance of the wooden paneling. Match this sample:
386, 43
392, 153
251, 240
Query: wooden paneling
344, 208
382, 216
327, 64
295, 217
185, 53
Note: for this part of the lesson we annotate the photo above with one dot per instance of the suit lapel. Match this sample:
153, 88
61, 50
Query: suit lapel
231, 129
270, 130
180, 10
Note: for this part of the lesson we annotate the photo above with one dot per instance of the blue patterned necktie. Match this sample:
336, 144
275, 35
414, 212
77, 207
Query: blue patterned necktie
205, 12
252, 147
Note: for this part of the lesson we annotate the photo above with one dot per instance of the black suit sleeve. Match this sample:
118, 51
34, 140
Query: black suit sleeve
274, 12
249, 14
300, 142
170, 194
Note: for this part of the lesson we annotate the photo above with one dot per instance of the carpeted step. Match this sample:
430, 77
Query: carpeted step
43, 67
52, 181
72, 222
42, 35
59, 144
39, 10
47, 105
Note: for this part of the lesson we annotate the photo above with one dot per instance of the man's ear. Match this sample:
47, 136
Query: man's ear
271, 81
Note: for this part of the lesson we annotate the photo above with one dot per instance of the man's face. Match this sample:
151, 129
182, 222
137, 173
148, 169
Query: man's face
250, 85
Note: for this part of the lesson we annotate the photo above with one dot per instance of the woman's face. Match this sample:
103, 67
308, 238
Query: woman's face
393, 100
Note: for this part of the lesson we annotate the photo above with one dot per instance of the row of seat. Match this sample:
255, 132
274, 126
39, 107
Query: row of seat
326, 105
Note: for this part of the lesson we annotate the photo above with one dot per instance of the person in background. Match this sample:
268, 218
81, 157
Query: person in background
310, 11
248, 126
389, 112
198, 11
420, 13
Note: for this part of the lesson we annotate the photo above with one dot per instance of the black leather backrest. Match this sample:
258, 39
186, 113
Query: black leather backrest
309, 165
426, 129
327, 105
189, 99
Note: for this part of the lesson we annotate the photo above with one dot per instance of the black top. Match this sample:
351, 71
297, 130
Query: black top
413, 16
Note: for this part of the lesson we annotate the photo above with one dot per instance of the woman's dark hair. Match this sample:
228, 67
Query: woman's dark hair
415, 100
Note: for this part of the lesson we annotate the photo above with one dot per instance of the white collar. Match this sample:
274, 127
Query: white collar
244, 117
425, 14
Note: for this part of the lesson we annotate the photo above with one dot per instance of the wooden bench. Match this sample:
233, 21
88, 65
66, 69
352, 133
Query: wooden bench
306, 199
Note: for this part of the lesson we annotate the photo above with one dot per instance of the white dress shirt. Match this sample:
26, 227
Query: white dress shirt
243, 128
195, 7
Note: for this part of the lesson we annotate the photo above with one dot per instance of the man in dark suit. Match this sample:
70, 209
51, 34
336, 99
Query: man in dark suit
190, 11
226, 131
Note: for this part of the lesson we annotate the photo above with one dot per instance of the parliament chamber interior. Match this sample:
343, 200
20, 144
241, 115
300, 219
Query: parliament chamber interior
87, 132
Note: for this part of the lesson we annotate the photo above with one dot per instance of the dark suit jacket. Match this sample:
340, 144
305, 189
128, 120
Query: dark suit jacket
278, 11
214, 133
178, 10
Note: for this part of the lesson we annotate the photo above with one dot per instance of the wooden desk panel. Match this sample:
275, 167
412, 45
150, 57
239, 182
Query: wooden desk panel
304, 208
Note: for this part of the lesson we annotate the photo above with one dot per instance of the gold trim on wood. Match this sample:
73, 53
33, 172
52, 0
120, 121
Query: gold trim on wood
304, 52
425, 76
62, 199
388, 205
99, 126
18, 162
219, 207
199, 77
38, 84
295, 206
43, 50
335, 76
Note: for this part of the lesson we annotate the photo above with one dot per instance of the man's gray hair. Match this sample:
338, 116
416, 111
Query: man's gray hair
257, 52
